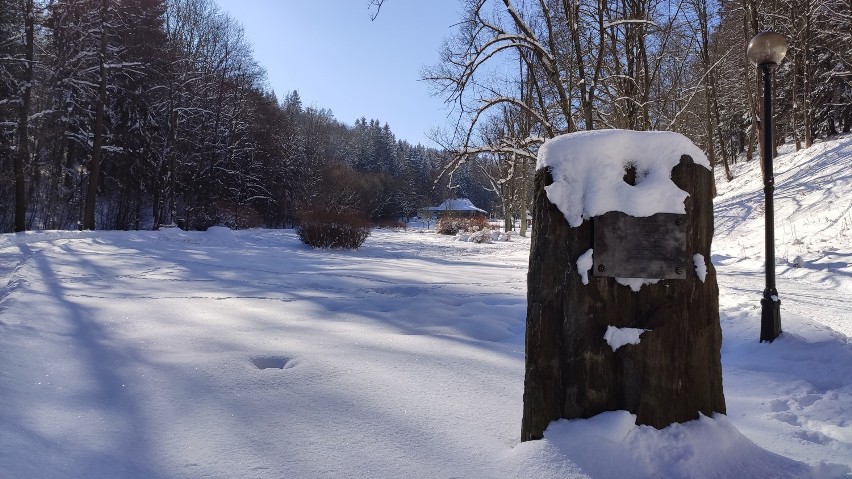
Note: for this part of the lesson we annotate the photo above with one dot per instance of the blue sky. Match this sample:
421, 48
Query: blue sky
337, 58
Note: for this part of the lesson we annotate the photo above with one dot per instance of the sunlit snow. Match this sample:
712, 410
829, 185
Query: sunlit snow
584, 265
618, 337
248, 355
588, 170
700, 266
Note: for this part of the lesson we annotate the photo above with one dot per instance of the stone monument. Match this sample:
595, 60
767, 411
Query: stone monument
623, 305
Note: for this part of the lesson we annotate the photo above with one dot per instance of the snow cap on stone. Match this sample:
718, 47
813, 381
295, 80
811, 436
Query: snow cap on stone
588, 172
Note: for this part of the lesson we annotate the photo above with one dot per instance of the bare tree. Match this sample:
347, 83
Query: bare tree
377, 4
586, 64
712, 120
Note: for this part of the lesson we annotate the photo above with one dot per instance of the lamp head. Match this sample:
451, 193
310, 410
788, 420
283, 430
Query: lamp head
767, 48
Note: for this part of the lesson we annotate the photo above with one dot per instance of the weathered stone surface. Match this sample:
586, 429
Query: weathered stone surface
675, 372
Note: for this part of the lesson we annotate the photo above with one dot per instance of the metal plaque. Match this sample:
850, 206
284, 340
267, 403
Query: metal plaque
649, 247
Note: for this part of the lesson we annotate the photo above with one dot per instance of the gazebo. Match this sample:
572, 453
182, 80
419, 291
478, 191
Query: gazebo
458, 207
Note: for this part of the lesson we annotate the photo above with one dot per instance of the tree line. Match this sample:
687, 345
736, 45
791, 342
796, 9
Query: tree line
121, 114
129, 114
523, 71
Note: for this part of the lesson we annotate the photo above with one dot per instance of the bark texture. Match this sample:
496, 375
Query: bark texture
672, 375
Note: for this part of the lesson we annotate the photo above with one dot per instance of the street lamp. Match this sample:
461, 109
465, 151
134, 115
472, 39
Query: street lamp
765, 51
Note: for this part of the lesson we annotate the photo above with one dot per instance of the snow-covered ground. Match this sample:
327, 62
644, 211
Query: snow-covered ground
793, 397
247, 355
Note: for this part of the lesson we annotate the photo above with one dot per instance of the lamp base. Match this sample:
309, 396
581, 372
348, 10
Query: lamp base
770, 316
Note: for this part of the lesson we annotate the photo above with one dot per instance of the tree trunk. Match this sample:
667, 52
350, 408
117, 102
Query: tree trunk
726, 161
523, 197
675, 372
507, 208
587, 89
751, 78
711, 107
97, 146
23, 153
808, 77
751, 141
710, 147
794, 116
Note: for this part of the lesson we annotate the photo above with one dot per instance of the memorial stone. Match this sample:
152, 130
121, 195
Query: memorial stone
622, 231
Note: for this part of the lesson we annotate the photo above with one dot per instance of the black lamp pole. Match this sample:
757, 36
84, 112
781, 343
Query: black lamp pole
770, 314
766, 50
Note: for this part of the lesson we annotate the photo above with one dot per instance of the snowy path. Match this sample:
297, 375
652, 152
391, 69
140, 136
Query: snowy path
822, 302
789, 408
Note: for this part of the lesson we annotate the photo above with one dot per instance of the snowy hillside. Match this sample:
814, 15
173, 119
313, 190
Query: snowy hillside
801, 384
247, 355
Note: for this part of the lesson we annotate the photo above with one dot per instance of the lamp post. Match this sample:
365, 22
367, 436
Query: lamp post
765, 51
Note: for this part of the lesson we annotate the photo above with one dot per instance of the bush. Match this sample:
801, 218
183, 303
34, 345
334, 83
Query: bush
450, 225
386, 223
222, 213
332, 229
